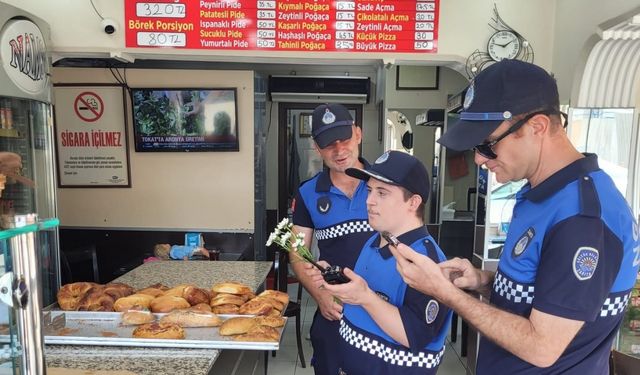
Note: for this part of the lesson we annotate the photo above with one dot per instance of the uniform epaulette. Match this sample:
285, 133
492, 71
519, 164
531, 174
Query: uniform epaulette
589, 201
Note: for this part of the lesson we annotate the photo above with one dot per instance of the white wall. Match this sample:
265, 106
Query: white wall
575, 34
209, 191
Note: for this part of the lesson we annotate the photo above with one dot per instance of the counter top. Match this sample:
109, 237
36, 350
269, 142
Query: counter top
158, 361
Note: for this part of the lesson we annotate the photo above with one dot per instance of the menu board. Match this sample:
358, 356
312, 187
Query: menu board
284, 25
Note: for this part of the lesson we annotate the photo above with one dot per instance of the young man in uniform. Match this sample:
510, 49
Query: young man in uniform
388, 327
571, 255
331, 206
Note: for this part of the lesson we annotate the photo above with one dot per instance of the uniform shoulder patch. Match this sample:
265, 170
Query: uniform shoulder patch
431, 311
585, 262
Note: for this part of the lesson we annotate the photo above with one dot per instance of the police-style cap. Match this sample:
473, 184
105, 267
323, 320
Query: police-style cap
397, 168
330, 123
503, 90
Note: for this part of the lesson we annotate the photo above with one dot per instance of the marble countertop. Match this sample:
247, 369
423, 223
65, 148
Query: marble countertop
158, 361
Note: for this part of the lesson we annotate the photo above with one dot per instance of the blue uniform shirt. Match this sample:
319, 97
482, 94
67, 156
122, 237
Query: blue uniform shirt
571, 251
341, 223
366, 348
341, 227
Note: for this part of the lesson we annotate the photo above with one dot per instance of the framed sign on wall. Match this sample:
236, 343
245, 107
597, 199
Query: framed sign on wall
91, 136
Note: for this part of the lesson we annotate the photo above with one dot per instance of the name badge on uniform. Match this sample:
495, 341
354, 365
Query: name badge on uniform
523, 242
323, 205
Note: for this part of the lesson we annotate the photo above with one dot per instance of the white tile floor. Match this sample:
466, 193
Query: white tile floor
287, 363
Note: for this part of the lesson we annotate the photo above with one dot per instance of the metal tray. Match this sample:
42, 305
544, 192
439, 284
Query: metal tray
104, 328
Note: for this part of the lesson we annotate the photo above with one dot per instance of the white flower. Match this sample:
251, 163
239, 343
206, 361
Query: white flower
301, 235
283, 224
272, 237
285, 237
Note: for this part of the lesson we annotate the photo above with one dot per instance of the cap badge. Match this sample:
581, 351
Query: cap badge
382, 158
329, 117
507, 115
468, 97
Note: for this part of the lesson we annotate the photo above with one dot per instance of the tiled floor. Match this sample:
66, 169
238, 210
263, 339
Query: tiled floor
287, 363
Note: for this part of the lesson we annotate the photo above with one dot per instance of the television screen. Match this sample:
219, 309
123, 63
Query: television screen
185, 119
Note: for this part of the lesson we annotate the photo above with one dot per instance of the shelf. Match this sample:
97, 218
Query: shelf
40, 225
9, 133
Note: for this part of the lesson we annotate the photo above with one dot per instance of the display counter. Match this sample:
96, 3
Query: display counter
156, 361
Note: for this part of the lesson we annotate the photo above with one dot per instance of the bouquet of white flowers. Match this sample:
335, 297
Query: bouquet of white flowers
284, 237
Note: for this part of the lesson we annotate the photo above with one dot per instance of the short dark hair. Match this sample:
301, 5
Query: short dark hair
407, 195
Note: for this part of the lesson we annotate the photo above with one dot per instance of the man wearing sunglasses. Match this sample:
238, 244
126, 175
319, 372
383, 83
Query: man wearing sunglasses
571, 255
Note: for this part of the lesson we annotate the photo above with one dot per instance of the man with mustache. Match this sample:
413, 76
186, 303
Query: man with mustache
332, 207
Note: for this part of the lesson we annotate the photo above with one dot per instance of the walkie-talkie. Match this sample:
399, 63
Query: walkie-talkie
332, 274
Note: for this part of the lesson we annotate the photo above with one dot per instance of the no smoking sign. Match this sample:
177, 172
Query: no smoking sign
88, 106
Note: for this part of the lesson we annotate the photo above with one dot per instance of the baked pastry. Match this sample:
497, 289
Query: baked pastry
137, 317
276, 294
70, 295
237, 325
225, 309
96, 300
160, 286
176, 290
277, 305
167, 304
231, 287
201, 307
227, 299
270, 321
189, 318
195, 295
117, 290
154, 292
159, 331
259, 333
255, 307
133, 302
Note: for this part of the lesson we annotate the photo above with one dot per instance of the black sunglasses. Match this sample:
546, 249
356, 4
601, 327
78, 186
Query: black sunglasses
486, 149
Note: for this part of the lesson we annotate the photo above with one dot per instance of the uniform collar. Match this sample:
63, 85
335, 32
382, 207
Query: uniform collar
406, 238
562, 178
324, 183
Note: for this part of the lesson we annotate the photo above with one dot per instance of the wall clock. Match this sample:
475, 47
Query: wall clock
504, 43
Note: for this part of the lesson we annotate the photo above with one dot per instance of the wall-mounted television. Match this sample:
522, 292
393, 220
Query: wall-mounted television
185, 119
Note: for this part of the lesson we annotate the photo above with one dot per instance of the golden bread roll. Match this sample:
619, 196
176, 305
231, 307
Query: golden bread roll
260, 334
195, 295
96, 300
237, 325
165, 304
154, 292
118, 290
254, 307
70, 295
280, 296
227, 299
133, 302
277, 305
270, 321
274, 312
137, 317
201, 307
177, 290
159, 331
225, 309
189, 318
231, 287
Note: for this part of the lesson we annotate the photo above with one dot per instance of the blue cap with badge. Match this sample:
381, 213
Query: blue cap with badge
330, 123
503, 90
397, 168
